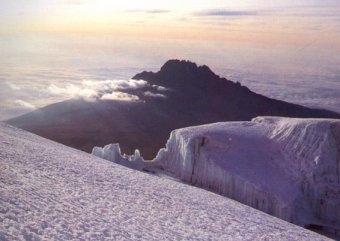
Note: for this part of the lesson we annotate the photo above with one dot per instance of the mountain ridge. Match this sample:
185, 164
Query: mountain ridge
180, 94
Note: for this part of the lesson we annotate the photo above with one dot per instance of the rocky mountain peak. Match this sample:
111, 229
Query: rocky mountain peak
186, 68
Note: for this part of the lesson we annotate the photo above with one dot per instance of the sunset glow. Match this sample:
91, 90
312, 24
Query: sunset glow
271, 46
291, 22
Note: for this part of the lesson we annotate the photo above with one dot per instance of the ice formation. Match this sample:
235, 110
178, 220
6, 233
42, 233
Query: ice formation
52, 192
289, 168
112, 153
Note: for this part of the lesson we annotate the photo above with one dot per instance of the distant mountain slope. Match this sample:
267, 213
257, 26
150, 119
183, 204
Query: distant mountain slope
51, 192
181, 94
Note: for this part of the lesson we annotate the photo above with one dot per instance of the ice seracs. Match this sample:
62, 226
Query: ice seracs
289, 168
112, 153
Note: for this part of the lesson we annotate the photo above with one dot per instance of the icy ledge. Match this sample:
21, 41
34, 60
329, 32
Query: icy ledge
289, 168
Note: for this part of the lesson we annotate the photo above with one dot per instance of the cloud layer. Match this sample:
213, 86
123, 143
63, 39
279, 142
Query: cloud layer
25, 104
225, 13
119, 96
13, 86
152, 94
149, 11
94, 90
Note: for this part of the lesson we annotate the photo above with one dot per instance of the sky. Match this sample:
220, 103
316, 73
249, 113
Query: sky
264, 21
288, 50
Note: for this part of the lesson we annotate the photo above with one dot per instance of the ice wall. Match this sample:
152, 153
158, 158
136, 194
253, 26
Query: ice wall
217, 157
286, 167
311, 151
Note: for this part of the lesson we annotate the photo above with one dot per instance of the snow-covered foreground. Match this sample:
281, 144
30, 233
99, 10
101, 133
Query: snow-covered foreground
289, 168
52, 192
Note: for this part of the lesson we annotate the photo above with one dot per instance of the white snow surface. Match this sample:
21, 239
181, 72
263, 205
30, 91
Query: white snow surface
287, 167
52, 192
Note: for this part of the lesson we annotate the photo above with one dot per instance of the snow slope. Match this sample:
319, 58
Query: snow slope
52, 192
289, 168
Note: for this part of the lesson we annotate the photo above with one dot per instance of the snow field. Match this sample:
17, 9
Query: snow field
52, 192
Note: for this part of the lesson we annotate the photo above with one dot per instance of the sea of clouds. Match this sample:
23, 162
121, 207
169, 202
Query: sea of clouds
61, 69
92, 90
22, 97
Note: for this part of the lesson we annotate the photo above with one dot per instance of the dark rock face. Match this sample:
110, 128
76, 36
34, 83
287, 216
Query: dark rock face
194, 96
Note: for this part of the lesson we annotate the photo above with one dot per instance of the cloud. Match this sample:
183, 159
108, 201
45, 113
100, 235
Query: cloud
119, 96
225, 13
150, 11
155, 95
73, 91
158, 11
73, 2
93, 90
114, 84
13, 86
25, 104
160, 88
323, 11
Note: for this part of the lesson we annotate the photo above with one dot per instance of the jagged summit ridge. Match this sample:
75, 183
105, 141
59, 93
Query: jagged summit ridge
186, 67
178, 73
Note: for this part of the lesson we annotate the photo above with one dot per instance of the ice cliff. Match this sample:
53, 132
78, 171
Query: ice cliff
289, 168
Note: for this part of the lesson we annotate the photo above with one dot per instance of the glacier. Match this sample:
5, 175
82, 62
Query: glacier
286, 167
49, 191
